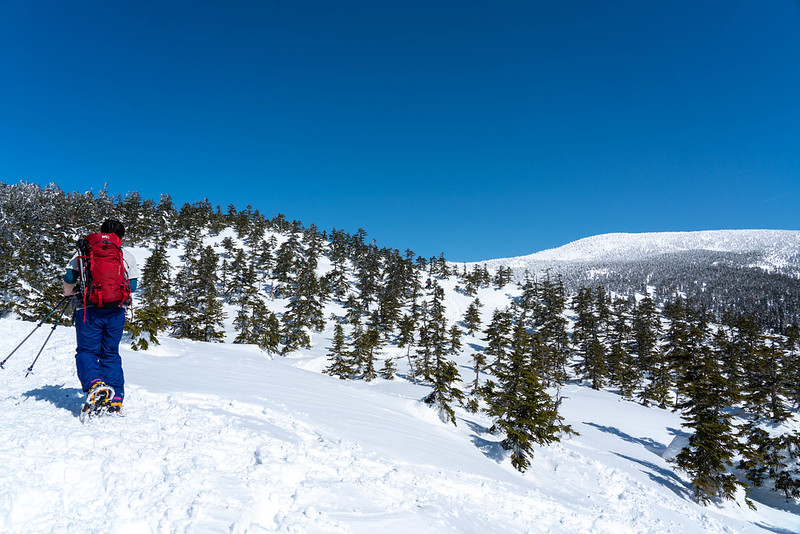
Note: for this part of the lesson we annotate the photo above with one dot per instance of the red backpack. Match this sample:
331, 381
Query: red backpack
104, 277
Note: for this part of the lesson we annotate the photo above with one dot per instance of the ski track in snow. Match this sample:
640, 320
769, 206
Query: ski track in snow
206, 452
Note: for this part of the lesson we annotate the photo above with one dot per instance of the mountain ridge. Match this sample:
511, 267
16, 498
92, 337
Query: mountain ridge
621, 246
754, 272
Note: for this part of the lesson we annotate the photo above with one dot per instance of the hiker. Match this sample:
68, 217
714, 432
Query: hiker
100, 309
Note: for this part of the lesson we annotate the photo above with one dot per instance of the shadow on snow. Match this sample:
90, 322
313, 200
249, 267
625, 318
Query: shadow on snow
69, 399
491, 449
648, 443
661, 475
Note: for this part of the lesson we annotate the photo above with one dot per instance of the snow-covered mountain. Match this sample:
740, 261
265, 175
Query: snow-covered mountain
754, 272
776, 249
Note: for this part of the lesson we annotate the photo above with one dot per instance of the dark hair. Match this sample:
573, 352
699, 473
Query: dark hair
113, 226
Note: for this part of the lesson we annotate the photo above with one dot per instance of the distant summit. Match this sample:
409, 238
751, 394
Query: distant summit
775, 249
752, 271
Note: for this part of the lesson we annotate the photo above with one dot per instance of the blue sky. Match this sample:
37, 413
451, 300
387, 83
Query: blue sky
478, 129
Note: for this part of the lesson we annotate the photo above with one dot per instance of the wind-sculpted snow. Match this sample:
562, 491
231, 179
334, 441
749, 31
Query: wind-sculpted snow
220, 438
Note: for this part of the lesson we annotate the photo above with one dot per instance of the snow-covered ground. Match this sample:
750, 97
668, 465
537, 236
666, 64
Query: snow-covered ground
221, 438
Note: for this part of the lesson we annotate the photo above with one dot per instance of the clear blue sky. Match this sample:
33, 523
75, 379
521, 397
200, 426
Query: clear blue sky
474, 128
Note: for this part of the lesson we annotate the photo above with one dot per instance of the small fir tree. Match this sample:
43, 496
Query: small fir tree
341, 363
472, 317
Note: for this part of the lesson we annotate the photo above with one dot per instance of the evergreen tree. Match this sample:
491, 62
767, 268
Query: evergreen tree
266, 328
729, 356
768, 459
764, 364
478, 364
472, 317
774, 378
166, 216
388, 370
197, 312
241, 277
433, 344
405, 338
441, 372
286, 258
368, 274
256, 324
680, 344
713, 444
341, 361
476, 279
445, 392
243, 323
586, 337
648, 359
391, 296
150, 317
294, 331
551, 325
529, 301
336, 279
309, 294
211, 316
304, 311
787, 475
239, 220
366, 346
498, 337
8, 279
423, 354
454, 338
438, 267
524, 411
622, 370
792, 366
503, 277
194, 217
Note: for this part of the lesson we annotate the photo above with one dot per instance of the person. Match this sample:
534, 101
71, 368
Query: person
99, 330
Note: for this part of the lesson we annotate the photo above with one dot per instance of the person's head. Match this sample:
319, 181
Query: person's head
113, 226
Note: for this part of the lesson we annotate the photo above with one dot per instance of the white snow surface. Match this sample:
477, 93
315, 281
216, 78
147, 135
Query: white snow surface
222, 438
774, 246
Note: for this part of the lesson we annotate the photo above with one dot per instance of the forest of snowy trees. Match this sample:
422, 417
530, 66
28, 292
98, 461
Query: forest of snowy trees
733, 374
719, 281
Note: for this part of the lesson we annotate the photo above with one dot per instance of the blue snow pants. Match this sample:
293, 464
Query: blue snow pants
97, 356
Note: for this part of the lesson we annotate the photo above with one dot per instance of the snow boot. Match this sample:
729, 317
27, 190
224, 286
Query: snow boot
115, 408
97, 400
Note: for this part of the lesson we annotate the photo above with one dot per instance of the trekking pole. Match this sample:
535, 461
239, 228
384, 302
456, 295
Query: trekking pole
60, 315
34, 330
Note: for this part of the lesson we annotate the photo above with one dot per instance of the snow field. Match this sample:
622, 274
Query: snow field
188, 462
221, 438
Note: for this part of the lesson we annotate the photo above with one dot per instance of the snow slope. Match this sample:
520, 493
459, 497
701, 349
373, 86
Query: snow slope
220, 438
